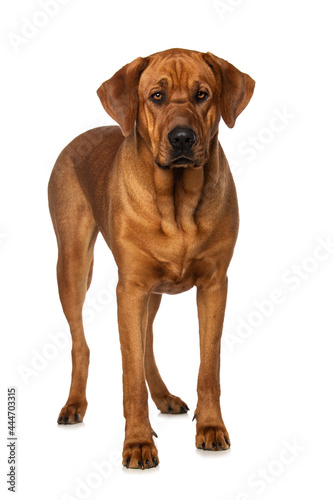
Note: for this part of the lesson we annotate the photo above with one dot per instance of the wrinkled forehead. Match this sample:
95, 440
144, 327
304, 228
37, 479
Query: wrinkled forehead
176, 72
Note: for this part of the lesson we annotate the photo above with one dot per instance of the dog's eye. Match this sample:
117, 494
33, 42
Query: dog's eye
157, 97
202, 96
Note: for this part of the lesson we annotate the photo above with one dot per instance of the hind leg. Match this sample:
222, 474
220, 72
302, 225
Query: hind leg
164, 400
76, 233
74, 265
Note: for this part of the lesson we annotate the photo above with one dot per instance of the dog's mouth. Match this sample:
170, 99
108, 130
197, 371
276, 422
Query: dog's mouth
182, 161
179, 162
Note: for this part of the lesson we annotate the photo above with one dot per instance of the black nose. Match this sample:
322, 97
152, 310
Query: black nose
182, 139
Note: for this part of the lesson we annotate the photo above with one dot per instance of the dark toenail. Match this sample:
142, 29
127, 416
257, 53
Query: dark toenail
66, 420
194, 416
182, 409
76, 417
213, 445
127, 462
60, 420
140, 464
155, 461
220, 444
147, 463
187, 408
228, 442
169, 409
203, 445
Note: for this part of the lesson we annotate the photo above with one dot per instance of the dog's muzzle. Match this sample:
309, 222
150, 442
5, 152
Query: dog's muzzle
181, 139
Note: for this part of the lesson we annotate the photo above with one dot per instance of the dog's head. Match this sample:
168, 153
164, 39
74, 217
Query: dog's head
176, 99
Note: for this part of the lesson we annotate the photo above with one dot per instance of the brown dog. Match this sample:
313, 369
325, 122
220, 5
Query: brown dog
160, 191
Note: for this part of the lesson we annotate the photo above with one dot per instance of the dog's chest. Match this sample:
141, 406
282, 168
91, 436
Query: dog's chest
166, 243
176, 263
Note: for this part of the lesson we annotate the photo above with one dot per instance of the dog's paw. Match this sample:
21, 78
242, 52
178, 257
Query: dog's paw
170, 404
72, 413
214, 438
140, 455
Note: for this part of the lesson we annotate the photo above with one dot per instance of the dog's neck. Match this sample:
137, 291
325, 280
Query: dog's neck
180, 193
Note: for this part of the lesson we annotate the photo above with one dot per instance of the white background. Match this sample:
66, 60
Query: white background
277, 373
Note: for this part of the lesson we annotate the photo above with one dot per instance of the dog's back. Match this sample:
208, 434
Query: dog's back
81, 171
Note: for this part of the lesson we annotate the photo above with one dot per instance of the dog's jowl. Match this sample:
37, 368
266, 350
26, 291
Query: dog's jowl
160, 191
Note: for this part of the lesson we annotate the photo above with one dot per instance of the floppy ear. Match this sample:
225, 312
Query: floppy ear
236, 88
119, 95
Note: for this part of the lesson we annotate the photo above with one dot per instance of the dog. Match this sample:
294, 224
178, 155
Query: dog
159, 189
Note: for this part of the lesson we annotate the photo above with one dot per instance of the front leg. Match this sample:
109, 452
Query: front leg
139, 448
211, 431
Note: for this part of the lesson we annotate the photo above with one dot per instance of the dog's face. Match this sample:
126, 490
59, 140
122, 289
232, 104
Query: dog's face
176, 99
178, 114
